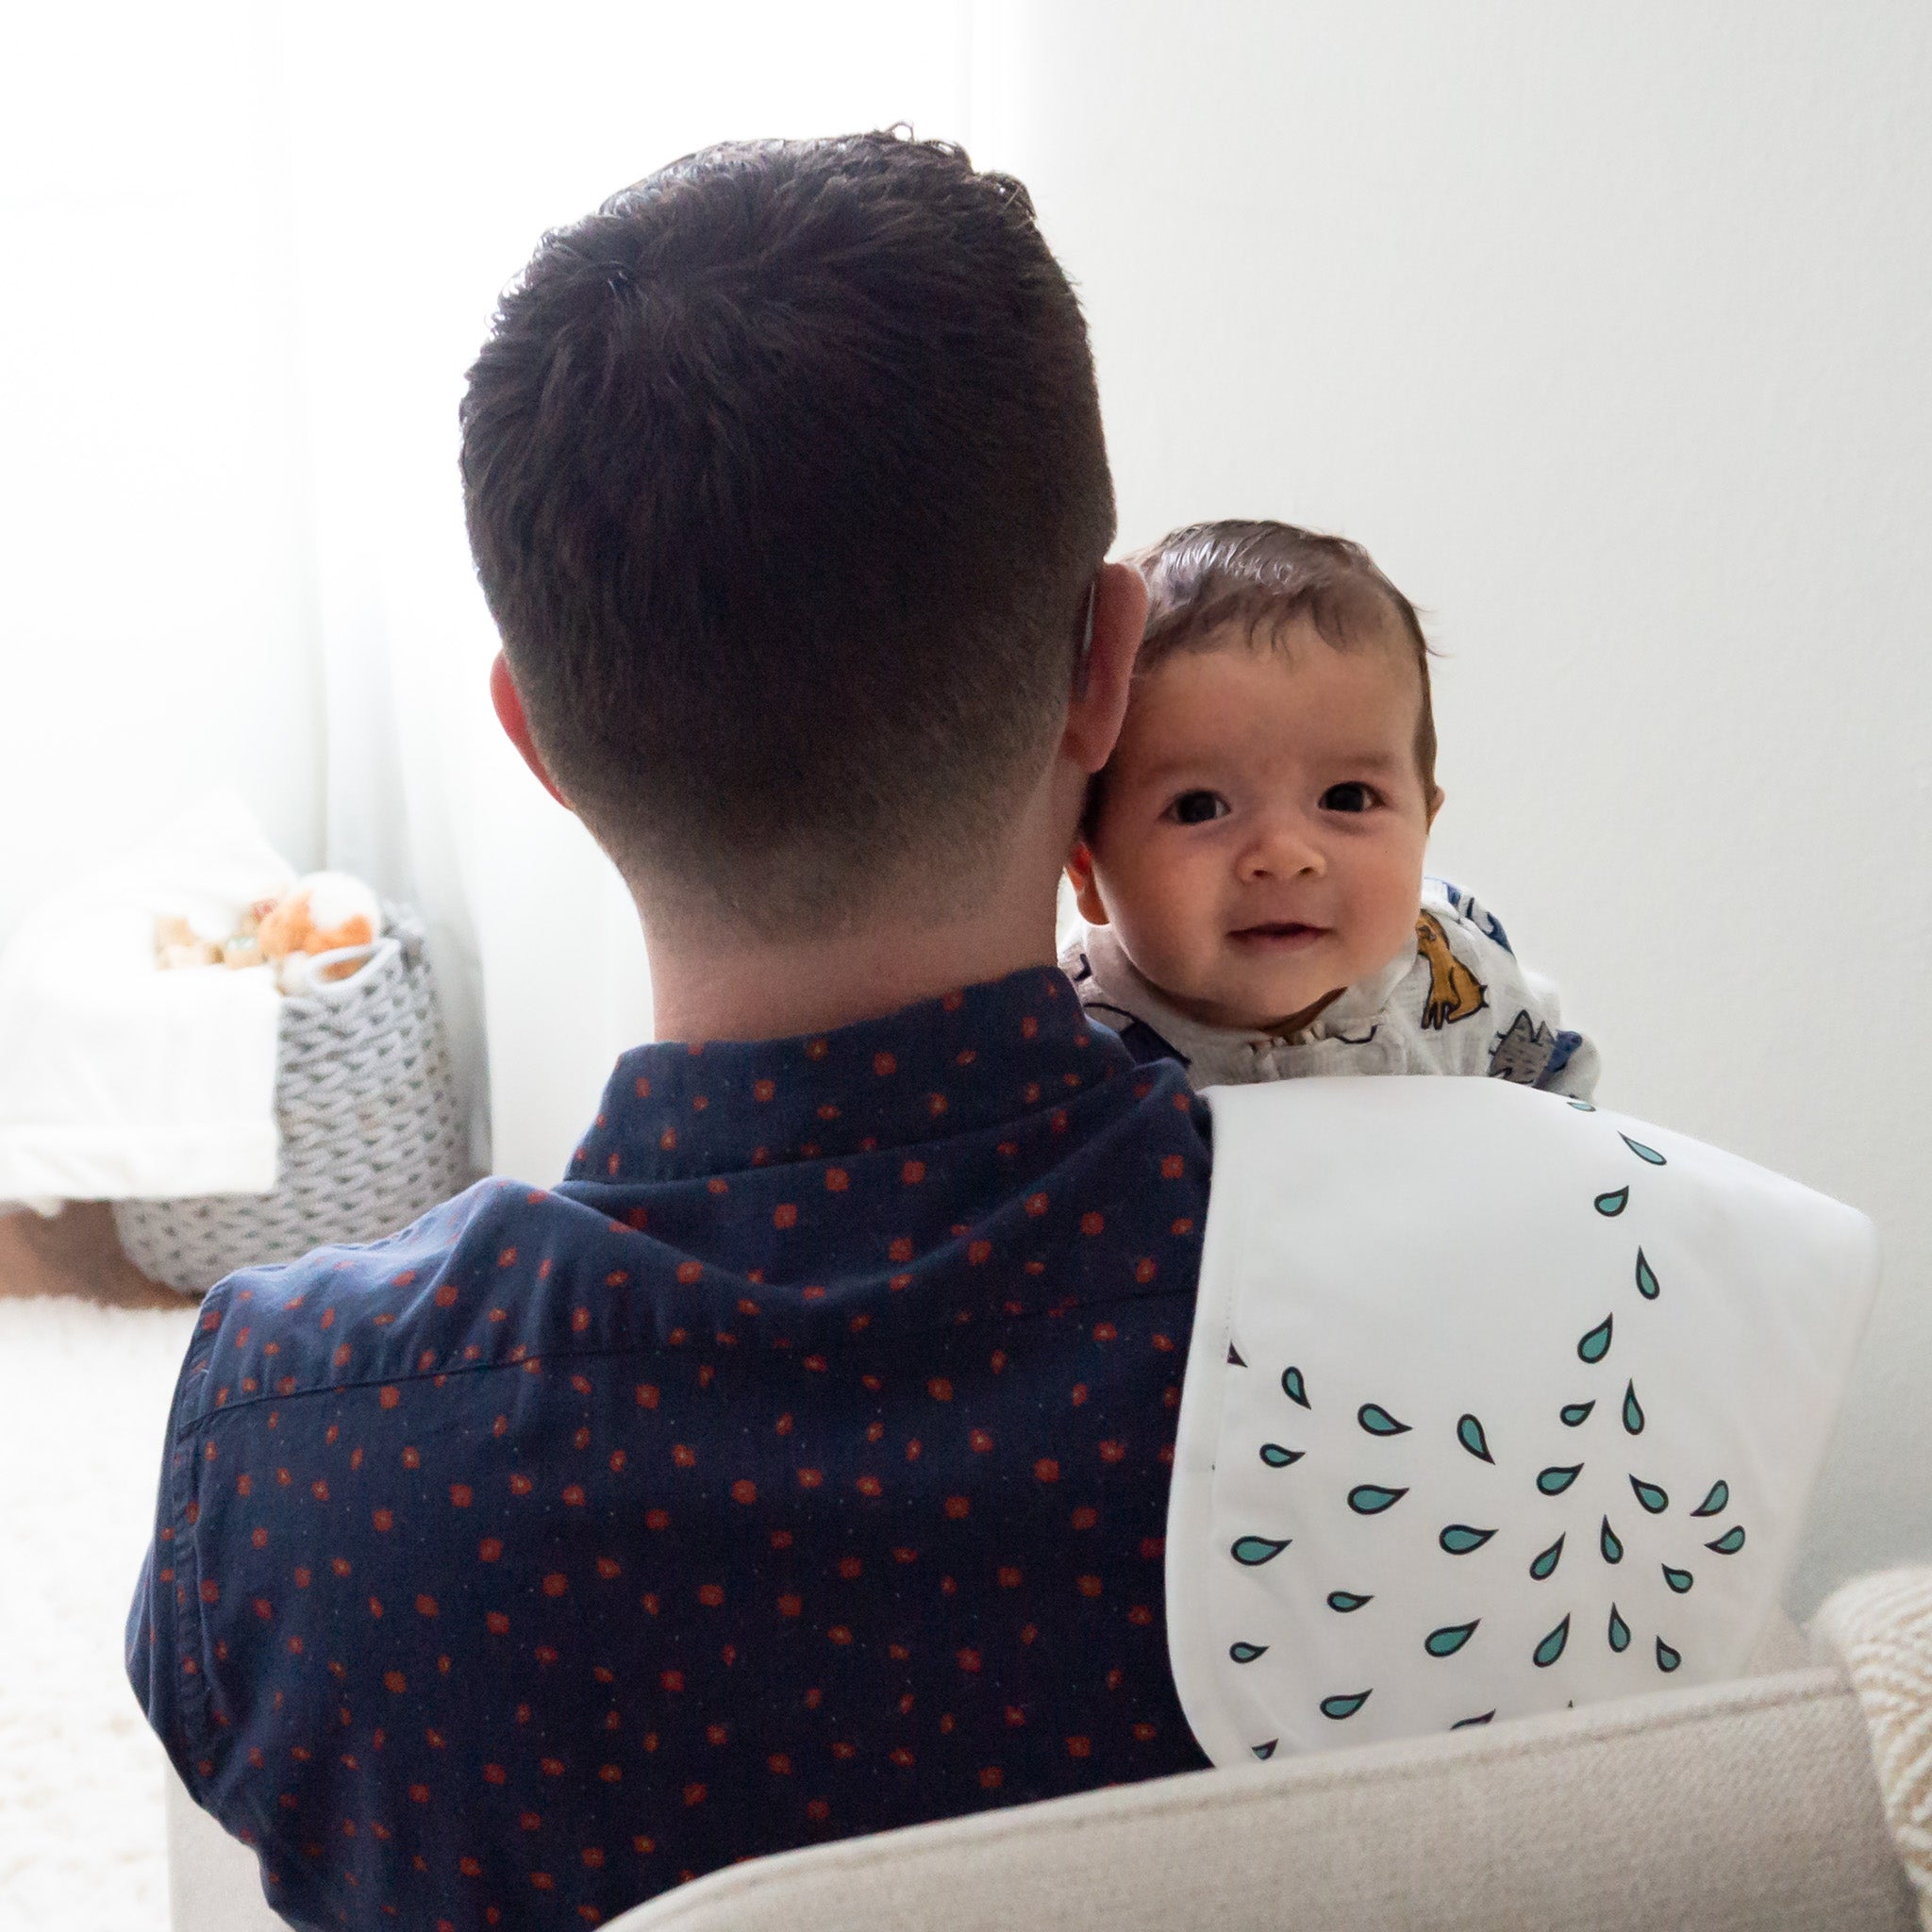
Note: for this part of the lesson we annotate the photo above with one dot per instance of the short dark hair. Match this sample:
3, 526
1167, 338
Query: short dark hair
1264, 576
786, 483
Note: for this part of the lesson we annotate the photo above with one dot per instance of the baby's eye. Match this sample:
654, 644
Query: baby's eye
1352, 796
1197, 807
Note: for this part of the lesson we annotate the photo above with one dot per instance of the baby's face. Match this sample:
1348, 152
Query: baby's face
1261, 838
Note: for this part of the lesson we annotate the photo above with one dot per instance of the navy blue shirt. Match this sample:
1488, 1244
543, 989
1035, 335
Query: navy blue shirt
797, 1468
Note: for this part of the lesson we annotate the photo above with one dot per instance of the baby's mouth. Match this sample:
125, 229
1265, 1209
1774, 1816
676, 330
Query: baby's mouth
1284, 935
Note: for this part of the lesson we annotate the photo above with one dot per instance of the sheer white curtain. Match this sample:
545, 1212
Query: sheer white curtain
252, 250
156, 631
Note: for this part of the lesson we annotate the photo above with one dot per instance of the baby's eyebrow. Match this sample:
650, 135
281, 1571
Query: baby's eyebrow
1206, 762
1204, 766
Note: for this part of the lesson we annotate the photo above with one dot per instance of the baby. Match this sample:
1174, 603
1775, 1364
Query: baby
1250, 862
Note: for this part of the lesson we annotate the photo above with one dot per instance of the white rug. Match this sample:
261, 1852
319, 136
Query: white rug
85, 1405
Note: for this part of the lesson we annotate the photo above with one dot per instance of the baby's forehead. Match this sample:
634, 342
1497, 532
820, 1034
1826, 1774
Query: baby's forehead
1273, 709
1369, 624
1302, 675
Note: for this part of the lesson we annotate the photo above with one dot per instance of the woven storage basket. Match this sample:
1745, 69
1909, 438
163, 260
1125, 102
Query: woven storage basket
371, 1136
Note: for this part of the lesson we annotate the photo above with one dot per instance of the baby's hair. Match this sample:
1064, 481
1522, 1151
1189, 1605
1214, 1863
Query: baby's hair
1265, 576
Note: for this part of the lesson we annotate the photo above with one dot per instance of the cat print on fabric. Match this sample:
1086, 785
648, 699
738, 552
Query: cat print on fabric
1523, 1052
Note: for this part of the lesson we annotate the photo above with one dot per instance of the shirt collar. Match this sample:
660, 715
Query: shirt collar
947, 1067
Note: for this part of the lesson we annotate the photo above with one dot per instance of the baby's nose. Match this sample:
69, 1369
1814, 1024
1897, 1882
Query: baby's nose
1285, 847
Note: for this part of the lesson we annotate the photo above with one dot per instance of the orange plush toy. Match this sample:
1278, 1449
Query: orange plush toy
325, 912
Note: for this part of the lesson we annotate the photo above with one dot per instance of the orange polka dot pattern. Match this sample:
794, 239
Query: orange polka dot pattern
796, 1468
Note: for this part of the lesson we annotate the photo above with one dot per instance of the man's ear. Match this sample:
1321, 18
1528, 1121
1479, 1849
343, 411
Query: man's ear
1106, 667
510, 714
1080, 876
1435, 806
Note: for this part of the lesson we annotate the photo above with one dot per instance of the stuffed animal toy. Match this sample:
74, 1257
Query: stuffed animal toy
325, 912
178, 944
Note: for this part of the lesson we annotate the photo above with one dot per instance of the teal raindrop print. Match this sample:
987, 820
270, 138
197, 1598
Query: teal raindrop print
1583, 1107
1346, 1600
1462, 1723
1613, 1203
1719, 1499
1596, 1344
1618, 1632
1378, 1421
1371, 1499
1469, 1432
1633, 1410
1551, 1648
1275, 1456
1607, 1541
1680, 1581
1666, 1659
1449, 1639
1643, 1152
1339, 1707
1246, 1653
1575, 1412
1254, 1550
1729, 1544
1652, 1498
1460, 1539
1646, 1278
1264, 1752
1293, 1386
1558, 1477
1543, 1567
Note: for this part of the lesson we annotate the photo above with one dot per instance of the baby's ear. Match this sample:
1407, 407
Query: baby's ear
1079, 870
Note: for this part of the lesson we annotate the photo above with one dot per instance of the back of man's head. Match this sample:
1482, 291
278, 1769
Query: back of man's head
786, 483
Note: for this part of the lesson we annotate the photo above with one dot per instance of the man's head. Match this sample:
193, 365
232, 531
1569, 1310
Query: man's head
1256, 839
786, 484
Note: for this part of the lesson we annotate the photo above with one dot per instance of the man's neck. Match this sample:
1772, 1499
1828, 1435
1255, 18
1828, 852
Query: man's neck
772, 992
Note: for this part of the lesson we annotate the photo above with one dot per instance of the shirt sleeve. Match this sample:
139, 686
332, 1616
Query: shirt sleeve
1572, 1066
163, 1642
1511, 1024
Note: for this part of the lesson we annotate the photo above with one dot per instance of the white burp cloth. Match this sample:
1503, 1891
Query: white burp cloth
1495, 1401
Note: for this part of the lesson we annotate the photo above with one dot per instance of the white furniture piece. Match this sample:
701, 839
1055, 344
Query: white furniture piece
1733, 1811
1747, 1807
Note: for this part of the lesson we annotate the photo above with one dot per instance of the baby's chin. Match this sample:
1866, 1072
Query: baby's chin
1275, 1007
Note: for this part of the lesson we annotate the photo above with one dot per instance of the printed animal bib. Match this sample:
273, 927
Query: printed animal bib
1496, 1402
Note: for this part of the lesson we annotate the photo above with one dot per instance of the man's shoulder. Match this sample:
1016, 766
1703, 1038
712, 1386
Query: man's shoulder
416, 1303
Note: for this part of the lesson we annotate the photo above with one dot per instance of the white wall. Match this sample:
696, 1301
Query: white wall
1606, 330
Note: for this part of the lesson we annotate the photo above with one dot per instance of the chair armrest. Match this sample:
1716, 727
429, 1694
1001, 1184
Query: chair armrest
1748, 1804
214, 1881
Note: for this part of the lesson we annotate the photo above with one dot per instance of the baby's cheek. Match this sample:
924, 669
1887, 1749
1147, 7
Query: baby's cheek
1166, 923
1389, 898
